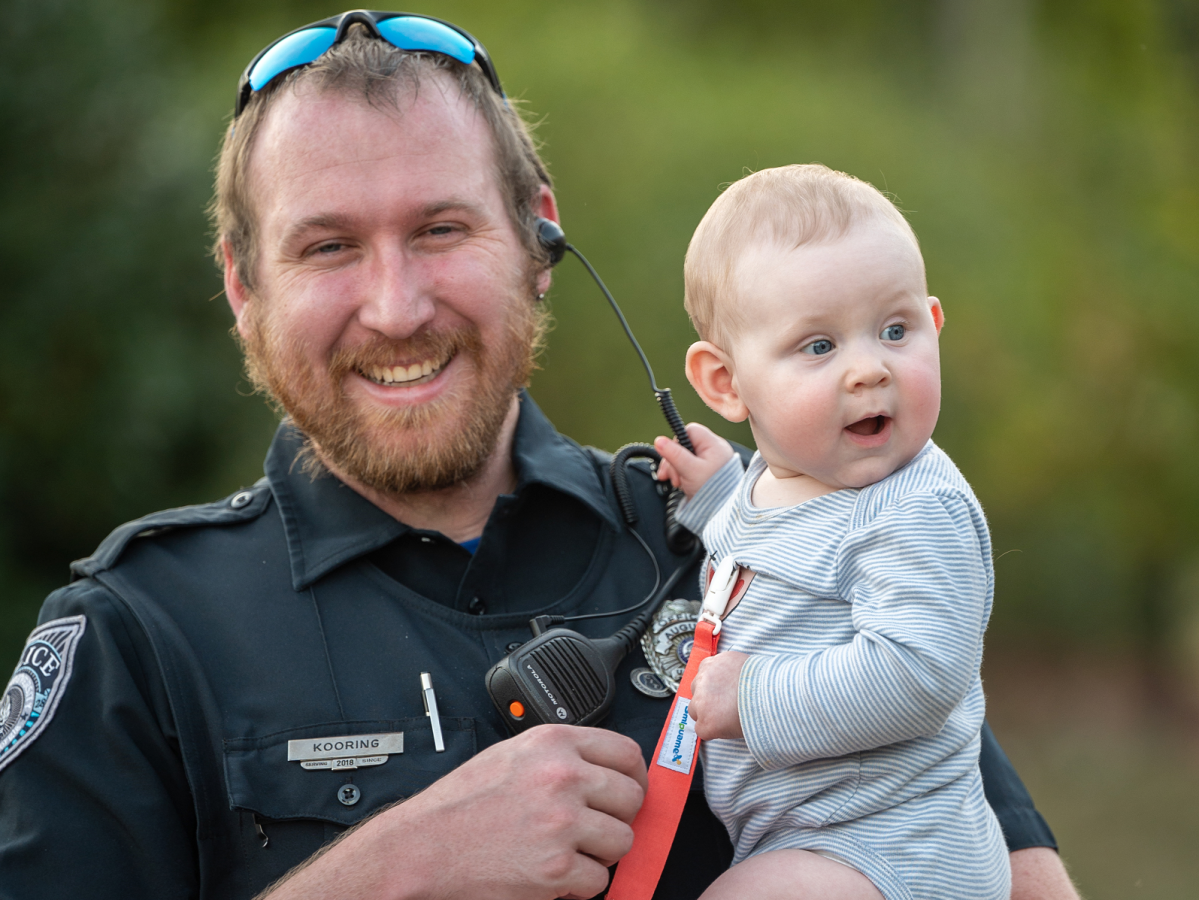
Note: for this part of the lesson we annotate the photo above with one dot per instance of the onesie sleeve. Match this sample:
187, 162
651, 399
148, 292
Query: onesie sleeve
694, 512
96, 804
919, 581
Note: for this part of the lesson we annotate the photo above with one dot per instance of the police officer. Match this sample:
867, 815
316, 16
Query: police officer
223, 690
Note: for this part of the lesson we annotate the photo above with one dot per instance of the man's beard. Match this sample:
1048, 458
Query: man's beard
398, 451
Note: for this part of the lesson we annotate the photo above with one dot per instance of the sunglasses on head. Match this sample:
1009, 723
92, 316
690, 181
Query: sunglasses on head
404, 31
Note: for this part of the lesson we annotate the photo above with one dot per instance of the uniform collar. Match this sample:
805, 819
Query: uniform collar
328, 524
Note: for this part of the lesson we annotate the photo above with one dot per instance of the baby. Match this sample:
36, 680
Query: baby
841, 719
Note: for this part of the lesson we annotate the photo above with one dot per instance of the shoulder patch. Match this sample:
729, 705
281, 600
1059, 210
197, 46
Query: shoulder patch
41, 676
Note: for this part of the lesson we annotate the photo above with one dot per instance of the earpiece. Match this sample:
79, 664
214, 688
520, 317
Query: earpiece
552, 238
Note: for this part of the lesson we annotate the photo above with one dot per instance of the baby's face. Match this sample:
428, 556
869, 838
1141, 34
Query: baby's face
835, 357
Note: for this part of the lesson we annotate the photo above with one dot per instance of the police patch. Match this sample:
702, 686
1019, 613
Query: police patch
41, 676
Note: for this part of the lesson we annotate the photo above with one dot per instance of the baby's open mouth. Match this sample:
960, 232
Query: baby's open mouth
416, 373
869, 425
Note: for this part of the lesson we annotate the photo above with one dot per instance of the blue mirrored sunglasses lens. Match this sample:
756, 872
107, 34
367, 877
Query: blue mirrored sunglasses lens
297, 49
411, 33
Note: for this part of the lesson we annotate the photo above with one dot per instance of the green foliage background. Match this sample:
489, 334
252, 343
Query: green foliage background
1046, 153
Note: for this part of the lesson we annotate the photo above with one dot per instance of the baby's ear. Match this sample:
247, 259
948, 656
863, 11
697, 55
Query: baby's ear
934, 306
710, 371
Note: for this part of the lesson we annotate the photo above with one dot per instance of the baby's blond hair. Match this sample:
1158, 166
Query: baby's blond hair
786, 208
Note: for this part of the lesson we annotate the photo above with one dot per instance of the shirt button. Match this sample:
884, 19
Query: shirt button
349, 794
514, 646
241, 499
477, 606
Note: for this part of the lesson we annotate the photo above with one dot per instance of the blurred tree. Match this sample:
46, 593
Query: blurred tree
118, 384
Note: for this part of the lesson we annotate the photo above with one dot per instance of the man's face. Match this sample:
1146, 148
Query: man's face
837, 359
393, 316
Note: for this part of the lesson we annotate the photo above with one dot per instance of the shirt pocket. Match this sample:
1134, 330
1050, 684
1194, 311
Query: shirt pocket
262, 780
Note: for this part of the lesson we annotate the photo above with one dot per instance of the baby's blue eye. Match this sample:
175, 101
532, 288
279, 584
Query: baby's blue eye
894, 333
819, 348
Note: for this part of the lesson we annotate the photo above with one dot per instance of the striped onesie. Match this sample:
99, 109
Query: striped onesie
861, 701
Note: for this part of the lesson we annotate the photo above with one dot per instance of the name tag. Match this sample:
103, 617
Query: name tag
348, 752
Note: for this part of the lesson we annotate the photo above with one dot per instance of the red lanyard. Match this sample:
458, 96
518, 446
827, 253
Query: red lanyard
673, 764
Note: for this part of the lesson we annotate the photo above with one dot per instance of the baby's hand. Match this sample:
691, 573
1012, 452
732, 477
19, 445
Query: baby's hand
688, 470
714, 695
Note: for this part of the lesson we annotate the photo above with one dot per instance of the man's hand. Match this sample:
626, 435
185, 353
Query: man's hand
714, 696
688, 470
533, 818
1038, 874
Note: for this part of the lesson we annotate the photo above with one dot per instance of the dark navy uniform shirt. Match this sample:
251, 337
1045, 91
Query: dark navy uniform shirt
195, 643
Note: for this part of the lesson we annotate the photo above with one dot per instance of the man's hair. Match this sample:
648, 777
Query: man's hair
378, 73
783, 208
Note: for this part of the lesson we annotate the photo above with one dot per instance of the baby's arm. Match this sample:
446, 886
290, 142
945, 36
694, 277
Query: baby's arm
919, 581
709, 479
687, 470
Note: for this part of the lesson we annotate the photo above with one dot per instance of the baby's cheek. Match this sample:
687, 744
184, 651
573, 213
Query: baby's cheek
925, 400
813, 420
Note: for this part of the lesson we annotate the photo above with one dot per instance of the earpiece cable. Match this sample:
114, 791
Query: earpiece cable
665, 401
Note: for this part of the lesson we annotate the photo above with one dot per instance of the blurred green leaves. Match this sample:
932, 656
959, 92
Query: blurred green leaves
118, 385
1045, 152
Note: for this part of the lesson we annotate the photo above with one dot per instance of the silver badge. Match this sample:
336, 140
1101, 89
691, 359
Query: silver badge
351, 751
667, 642
41, 676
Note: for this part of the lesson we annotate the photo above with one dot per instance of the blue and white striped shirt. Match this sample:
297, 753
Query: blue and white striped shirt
861, 701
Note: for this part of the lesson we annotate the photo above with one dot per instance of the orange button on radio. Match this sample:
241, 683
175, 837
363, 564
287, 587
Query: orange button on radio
517, 709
